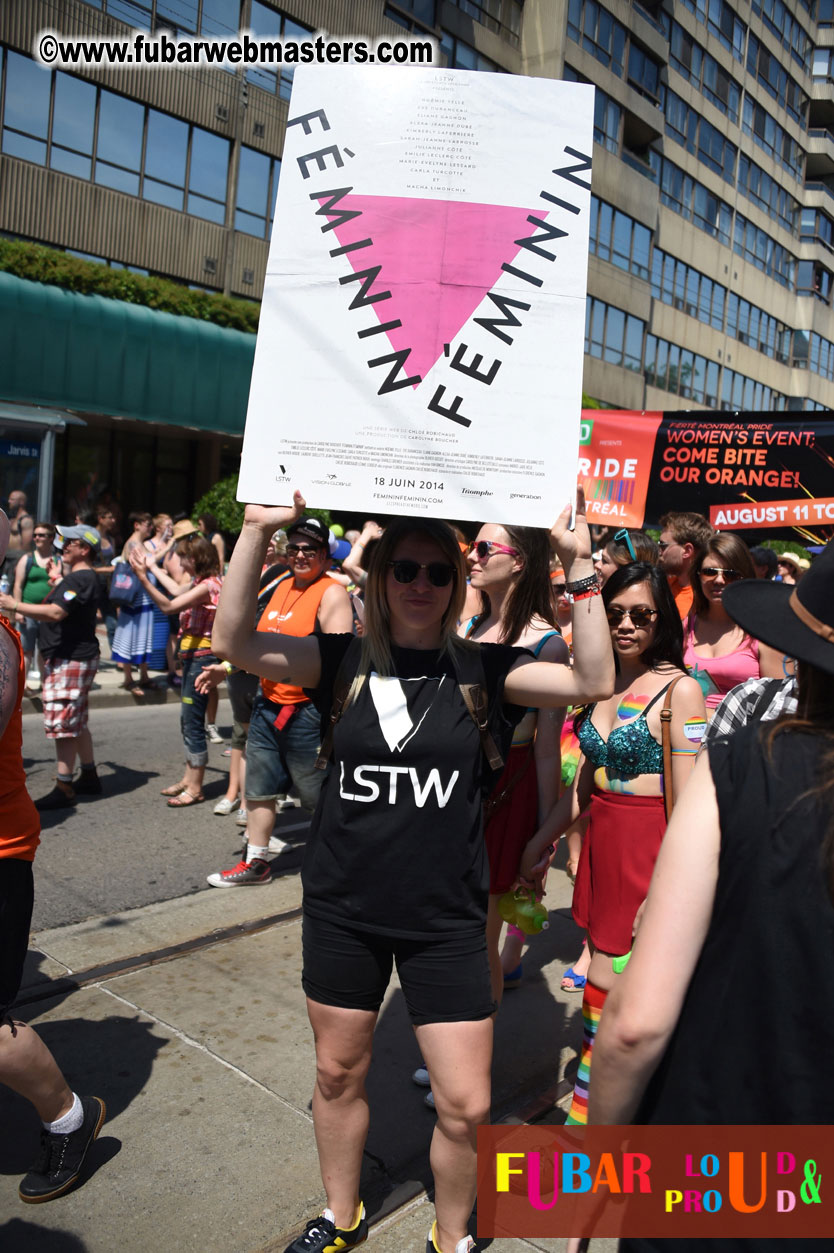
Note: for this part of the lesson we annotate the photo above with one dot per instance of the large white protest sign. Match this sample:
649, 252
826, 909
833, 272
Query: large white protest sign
421, 334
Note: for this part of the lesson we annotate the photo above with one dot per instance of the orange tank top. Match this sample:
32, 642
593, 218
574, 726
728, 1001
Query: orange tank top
291, 611
20, 823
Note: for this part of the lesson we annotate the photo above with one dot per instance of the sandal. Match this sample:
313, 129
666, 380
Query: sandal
173, 789
185, 799
577, 981
138, 691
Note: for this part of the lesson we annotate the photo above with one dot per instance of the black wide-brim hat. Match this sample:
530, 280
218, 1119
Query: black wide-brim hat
798, 620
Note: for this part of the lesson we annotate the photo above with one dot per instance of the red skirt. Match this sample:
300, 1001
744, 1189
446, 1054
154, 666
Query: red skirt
615, 868
514, 821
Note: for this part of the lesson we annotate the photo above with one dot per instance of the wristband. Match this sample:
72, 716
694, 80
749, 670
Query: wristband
592, 591
582, 585
227, 666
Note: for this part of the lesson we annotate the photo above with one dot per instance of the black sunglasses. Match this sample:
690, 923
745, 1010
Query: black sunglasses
439, 573
304, 550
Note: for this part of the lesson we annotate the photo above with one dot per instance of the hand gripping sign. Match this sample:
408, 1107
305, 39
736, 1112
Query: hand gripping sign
421, 336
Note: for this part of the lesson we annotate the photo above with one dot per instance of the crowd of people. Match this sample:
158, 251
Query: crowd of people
447, 710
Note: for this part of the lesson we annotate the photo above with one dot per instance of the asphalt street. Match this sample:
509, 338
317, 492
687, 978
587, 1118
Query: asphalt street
126, 848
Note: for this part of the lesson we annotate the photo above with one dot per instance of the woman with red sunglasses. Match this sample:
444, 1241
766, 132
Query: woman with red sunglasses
509, 567
395, 867
717, 652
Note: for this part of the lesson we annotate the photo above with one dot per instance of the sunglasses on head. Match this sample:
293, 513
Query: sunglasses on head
623, 537
439, 573
484, 548
303, 550
638, 617
712, 572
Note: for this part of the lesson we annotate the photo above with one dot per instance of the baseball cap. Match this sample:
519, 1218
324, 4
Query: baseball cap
313, 529
87, 535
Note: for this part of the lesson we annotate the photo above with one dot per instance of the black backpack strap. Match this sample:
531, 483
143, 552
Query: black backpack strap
469, 672
341, 686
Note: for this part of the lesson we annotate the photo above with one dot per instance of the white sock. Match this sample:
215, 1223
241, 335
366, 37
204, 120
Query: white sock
254, 850
70, 1121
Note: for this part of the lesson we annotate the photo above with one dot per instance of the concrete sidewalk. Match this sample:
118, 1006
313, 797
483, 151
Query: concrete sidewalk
188, 1018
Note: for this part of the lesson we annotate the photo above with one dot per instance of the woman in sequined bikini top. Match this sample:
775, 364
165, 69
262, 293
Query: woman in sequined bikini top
630, 750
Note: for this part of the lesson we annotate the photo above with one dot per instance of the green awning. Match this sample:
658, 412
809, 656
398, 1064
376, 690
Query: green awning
105, 356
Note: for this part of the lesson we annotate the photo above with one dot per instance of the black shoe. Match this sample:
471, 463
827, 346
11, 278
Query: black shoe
62, 1156
323, 1236
88, 783
62, 796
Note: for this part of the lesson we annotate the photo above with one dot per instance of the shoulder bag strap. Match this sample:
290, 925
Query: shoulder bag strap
469, 672
344, 677
666, 741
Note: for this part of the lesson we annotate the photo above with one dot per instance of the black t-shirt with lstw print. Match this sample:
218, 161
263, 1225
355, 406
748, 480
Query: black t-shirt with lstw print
396, 844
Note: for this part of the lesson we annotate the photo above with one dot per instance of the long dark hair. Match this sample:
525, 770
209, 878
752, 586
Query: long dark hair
529, 597
667, 646
815, 715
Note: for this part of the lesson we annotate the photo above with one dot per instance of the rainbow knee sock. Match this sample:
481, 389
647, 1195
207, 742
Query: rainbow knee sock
592, 1003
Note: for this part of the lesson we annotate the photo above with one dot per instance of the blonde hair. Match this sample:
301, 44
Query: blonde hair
376, 640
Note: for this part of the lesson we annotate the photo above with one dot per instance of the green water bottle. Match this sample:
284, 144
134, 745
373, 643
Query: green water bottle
523, 910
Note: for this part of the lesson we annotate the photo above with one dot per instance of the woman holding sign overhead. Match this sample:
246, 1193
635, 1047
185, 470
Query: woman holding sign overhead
396, 868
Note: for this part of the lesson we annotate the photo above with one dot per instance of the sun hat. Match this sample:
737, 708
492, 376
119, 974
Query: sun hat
87, 534
799, 563
798, 620
184, 528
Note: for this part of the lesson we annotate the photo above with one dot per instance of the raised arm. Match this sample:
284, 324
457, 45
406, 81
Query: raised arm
195, 595
591, 678
352, 563
283, 658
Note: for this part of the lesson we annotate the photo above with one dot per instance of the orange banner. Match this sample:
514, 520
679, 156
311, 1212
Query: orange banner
660, 1181
615, 461
802, 512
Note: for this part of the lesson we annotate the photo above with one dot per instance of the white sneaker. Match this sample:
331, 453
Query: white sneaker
276, 845
224, 806
466, 1245
242, 817
213, 734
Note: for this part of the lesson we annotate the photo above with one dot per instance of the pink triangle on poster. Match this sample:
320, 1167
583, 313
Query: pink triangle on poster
439, 258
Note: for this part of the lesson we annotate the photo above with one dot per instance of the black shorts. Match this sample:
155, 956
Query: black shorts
443, 980
17, 894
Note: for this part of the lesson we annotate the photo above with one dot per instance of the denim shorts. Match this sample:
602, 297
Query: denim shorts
277, 760
442, 980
